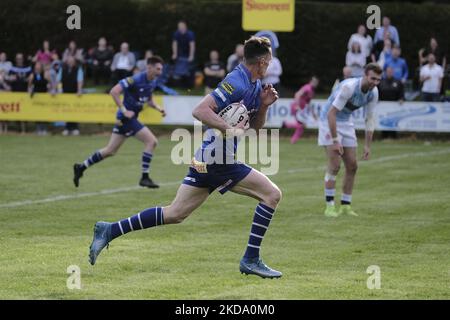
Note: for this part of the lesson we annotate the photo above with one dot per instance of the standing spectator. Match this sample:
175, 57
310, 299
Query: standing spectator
183, 43
236, 58
183, 55
71, 77
123, 63
214, 71
44, 55
18, 77
301, 101
431, 75
398, 65
364, 40
5, 65
387, 29
3, 87
101, 61
142, 64
390, 89
73, 51
433, 48
54, 75
39, 82
356, 59
273, 73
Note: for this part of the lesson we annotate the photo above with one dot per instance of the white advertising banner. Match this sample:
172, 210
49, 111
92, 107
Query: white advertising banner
389, 116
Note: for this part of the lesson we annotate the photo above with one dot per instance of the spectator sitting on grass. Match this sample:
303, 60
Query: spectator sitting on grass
71, 79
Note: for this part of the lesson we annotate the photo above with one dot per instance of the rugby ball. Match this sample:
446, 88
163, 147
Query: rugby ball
234, 114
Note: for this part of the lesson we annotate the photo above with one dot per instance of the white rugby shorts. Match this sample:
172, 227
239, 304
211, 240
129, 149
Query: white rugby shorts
345, 131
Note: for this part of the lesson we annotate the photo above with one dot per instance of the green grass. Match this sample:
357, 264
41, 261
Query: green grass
403, 227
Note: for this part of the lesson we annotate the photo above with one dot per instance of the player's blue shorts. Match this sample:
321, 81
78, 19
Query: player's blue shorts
127, 127
220, 177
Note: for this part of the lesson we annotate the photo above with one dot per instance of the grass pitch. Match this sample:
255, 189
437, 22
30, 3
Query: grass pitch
46, 225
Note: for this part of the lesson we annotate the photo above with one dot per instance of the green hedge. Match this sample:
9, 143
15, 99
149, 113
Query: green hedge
317, 46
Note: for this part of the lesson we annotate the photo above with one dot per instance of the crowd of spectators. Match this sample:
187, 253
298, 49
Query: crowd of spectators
385, 50
47, 71
66, 71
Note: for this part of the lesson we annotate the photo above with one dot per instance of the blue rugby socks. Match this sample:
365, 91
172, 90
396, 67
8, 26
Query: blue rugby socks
146, 159
261, 220
93, 159
148, 218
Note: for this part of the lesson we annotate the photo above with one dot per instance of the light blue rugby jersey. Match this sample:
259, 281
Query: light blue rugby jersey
348, 97
236, 87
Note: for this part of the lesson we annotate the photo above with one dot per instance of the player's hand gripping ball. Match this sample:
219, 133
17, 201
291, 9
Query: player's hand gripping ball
236, 115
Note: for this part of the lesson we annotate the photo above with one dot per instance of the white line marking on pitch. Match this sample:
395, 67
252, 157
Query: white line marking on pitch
78, 195
126, 189
382, 159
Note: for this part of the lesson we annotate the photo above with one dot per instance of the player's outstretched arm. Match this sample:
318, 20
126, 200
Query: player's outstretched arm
151, 103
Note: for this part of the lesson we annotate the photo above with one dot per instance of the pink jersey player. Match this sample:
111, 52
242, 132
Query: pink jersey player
301, 99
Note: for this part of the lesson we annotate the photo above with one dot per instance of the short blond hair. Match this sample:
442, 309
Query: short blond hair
373, 67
